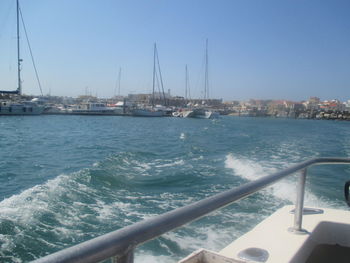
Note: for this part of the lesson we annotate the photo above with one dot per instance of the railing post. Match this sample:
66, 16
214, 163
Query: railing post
299, 205
126, 258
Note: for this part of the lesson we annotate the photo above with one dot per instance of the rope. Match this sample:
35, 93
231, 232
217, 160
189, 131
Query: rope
31, 53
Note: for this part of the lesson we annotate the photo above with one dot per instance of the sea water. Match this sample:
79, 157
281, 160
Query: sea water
67, 179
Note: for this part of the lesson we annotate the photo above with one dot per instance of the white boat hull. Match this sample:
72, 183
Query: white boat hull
19, 109
147, 113
326, 231
200, 114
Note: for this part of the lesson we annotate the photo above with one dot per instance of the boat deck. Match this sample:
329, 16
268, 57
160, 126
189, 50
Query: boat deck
330, 227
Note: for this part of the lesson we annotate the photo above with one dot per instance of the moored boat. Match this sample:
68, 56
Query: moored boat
96, 109
153, 110
200, 113
144, 112
17, 108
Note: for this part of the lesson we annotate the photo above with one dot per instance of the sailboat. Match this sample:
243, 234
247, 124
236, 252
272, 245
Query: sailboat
153, 110
202, 112
11, 107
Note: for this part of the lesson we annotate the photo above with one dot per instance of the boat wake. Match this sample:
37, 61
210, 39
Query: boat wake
129, 187
284, 191
116, 192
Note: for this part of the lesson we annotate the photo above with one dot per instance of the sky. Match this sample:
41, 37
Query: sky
258, 49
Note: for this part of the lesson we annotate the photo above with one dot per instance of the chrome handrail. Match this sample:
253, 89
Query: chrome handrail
120, 244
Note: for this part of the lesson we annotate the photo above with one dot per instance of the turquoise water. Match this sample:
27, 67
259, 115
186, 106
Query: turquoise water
67, 179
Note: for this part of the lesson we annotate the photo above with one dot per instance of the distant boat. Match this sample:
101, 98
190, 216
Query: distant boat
202, 112
152, 111
10, 107
25, 108
147, 112
96, 109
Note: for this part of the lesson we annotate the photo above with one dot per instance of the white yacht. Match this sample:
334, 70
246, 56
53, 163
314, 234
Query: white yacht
96, 108
16, 108
153, 110
200, 113
147, 112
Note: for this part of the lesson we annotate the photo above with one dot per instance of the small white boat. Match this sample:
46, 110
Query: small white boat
147, 113
200, 113
154, 110
16, 108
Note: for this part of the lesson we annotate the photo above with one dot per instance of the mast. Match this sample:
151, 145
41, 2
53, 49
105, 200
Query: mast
154, 72
186, 84
161, 79
119, 77
19, 60
206, 81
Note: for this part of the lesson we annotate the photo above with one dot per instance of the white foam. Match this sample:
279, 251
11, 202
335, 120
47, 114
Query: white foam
175, 163
285, 189
21, 207
141, 166
146, 257
182, 136
245, 168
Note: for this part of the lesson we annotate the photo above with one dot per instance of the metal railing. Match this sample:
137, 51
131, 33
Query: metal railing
120, 244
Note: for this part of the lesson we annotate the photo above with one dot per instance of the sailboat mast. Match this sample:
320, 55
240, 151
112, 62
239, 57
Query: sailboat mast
186, 84
19, 89
206, 81
154, 72
161, 79
119, 77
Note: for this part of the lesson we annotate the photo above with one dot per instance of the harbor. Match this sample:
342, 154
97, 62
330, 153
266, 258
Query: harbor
175, 106
174, 131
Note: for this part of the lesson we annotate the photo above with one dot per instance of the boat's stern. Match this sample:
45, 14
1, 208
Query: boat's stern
325, 238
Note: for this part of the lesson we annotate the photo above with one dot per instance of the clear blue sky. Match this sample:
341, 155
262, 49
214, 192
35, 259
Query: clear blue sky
280, 49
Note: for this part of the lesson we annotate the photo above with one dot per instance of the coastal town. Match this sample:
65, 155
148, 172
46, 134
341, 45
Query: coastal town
312, 108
